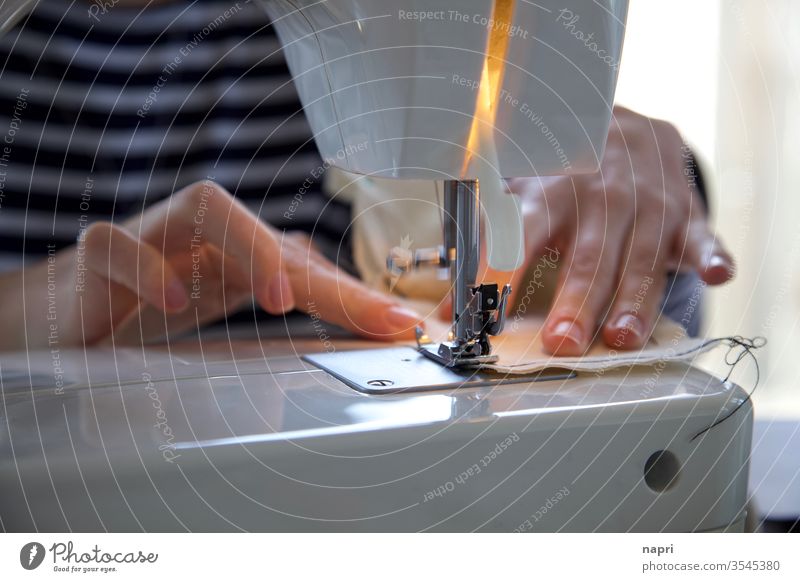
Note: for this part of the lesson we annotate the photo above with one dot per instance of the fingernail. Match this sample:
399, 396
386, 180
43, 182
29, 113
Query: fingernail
719, 261
720, 269
401, 318
629, 324
175, 296
280, 293
568, 330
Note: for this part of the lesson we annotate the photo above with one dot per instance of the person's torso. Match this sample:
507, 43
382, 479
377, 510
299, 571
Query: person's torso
103, 112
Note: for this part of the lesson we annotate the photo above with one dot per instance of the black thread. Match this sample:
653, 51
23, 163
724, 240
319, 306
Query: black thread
732, 358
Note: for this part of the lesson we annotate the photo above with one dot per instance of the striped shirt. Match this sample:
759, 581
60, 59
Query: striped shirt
106, 110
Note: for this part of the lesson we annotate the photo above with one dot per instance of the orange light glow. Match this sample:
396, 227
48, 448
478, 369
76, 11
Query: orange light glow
481, 134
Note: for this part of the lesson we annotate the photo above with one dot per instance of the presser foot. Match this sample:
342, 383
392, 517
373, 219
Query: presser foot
453, 354
486, 313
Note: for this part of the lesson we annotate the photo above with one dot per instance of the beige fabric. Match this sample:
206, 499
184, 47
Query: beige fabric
521, 351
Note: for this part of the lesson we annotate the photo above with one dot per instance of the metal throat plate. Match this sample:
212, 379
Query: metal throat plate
404, 369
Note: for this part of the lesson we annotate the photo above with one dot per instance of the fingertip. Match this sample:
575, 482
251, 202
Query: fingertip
564, 337
625, 332
384, 322
719, 269
175, 298
402, 335
401, 322
279, 297
287, 294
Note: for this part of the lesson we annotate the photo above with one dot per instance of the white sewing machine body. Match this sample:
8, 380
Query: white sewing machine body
390, 89
212, 440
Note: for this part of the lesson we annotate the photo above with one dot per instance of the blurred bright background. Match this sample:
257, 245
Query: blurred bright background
727, 73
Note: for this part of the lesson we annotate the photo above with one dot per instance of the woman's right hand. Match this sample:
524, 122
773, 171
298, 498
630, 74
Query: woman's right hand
184, 262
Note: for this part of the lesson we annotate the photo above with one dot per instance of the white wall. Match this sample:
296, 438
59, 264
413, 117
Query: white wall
669, 65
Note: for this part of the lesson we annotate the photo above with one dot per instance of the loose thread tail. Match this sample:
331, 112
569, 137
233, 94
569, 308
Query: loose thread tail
738, 349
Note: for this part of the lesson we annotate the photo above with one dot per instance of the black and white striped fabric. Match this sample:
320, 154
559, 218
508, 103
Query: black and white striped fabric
105, 109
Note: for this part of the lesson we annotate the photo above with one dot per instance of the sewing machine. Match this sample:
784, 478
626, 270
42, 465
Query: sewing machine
456, 93
246, 435
278, 436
